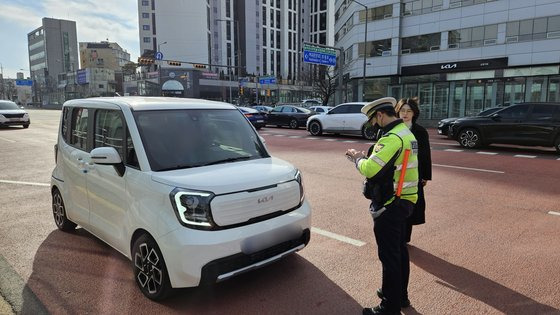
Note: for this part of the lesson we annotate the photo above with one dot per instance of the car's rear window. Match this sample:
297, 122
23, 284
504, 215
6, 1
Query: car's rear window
175, 139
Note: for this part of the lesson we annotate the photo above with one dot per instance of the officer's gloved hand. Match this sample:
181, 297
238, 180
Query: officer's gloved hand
353, 154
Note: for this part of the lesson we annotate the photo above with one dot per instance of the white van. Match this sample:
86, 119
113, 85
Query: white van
185, 188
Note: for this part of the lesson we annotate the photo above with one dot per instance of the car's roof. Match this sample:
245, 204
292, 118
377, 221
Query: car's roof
149, 103
353, 103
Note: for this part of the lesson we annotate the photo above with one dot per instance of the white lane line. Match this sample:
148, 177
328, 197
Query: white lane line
487, 153
294, 137
23, 183
265, 134
331, 140
350, 141
444, 143
453, 150
525, 156
9, 140
469, 168
554, 213
312, 138
558, 159
279, 135
370, 143
337, 237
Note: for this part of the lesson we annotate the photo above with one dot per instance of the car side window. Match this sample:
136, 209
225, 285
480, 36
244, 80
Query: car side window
277, 109
356, 109
542, 112
79, 128
109, 130
287, 109
65, 123
515, 112
340, 109
319, 110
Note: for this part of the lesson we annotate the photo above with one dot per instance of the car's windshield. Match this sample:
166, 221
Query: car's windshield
175, 139
8, 105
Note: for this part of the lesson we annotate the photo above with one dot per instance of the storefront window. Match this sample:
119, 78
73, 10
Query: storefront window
514, 91
457, 108
554, 89
536, 89
475, 98
425, 99
441, 100
376, 88
410, 90
490, 95
395, 91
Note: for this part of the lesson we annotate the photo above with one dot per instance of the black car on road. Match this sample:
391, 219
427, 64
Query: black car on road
289, 115
444, 124
530, 124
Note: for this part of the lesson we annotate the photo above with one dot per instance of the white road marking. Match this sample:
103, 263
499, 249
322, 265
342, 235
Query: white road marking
279, 135
350, 141
487, 153
23, 183
469, 168
331, 140
558, 159
549, 212
312, 138
9, 140
525, 156
337, 237
445, 143
453, 150
370, 143
265, 134
294, 137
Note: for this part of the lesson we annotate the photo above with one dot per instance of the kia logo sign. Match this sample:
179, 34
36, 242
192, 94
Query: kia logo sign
449, 66
264, 199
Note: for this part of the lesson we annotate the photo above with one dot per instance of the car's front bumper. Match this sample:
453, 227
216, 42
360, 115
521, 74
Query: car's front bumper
196, 256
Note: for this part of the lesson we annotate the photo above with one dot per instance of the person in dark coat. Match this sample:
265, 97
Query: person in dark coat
407, 109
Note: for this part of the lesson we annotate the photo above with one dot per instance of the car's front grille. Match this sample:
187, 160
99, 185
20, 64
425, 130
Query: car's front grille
13, 115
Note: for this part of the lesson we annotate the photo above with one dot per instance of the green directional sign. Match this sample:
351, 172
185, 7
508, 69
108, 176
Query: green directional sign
317, 49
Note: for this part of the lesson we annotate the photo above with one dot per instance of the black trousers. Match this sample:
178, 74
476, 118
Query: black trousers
390, 235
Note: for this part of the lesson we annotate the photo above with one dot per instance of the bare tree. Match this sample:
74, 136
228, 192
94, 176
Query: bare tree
324, 81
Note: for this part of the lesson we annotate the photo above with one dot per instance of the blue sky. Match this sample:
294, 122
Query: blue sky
116, 20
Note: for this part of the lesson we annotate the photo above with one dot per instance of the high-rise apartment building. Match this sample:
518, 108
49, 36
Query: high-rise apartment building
53, 49
458, 56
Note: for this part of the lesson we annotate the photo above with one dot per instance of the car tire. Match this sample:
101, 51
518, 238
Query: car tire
368, 132
26, 126
293, 124
469, 138
315, 128
150, 271
59, 212
557, 144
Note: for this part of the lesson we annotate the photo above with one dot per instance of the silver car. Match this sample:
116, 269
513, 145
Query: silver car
12, 114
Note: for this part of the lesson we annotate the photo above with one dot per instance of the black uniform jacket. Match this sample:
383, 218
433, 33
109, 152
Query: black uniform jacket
424, 171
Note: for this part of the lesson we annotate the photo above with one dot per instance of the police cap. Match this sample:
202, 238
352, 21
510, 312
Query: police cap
382, 103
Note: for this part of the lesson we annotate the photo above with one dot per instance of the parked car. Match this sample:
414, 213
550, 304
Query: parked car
310, 102
289, 115
444, 124
11, 114
256, 118
531, 124
182, 187
321, 109
345, 118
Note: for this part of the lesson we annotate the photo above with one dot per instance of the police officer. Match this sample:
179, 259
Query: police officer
382, 166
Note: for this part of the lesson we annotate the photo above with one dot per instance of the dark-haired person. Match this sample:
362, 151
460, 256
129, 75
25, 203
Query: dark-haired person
407, 109
381, 168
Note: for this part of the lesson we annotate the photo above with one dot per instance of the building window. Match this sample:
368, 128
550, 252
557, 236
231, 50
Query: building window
145, 15
146, 3
534, 29
421, 43
416, 7
464, 3
375, 48
378, 13
147, 39
473, 36
228, 8
146, 27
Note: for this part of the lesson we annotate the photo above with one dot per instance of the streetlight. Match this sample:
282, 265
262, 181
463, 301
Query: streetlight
365, 49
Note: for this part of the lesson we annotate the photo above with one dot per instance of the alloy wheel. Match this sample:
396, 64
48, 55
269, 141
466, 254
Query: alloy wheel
58, 209
293, 124
150, 275
315, 128
469, 138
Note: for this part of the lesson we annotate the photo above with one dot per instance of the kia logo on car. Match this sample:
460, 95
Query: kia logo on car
449, 66
265, 199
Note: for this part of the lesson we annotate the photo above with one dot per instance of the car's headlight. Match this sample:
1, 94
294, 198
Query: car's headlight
299, 179
193, 208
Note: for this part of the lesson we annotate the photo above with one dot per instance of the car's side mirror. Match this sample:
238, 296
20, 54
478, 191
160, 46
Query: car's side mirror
495, 116
108, 156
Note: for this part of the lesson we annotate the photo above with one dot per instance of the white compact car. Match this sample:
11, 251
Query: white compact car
345, 118
11, 114
185, 188
322, 110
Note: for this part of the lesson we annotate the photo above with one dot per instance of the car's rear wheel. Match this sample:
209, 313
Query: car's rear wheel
315, 128
469, 138
150, 271
59, 212
368, 132
293, 124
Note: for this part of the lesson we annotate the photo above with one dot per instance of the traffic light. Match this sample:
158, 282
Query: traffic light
145, 61
197, 65
267, 92
241, 90
174, 63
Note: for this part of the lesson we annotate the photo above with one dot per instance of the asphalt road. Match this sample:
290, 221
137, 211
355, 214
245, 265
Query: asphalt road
491, 244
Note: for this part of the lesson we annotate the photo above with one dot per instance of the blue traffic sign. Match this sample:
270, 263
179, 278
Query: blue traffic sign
24, 82
158, 55
267, 80
319, 58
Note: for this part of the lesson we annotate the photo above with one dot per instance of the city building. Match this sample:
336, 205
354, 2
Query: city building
458, 57
234, 39
103, 55
53, 49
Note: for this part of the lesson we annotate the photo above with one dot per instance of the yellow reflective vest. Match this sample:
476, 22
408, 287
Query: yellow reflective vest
383, 151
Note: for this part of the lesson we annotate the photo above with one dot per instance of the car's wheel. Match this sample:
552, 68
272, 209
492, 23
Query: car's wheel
293, 124
26, 126
59, 213
469, 138
557, 144
315, 128
368, 132
149, 267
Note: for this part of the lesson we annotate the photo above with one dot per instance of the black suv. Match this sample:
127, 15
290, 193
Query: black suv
531, 124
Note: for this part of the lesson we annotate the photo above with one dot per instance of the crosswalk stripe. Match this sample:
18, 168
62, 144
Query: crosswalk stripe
487, 153
453, 150
525, 156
